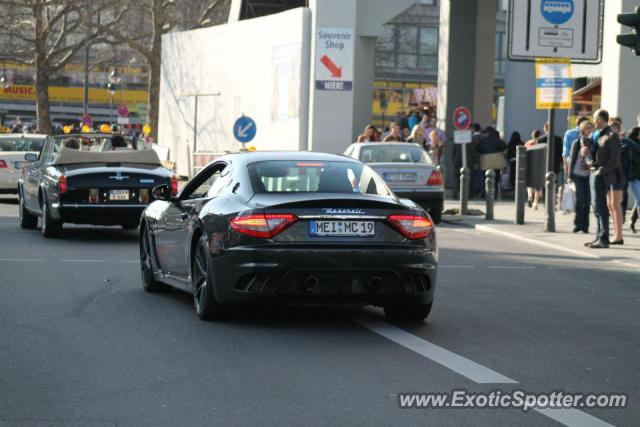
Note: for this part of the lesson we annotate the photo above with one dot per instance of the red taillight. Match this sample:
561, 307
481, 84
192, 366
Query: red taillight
261, 225
144, 195
62, 184
93, 195
174, 186
3, 164
435, 178
412, 227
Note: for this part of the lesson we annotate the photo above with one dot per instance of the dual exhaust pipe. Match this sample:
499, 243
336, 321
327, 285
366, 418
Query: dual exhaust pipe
312, 282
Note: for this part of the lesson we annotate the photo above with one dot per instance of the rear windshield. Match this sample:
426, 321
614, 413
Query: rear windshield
390, 153
21, 144
284, 176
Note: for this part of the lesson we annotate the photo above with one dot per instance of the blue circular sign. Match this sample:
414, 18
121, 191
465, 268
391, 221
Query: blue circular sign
557, 12
244, 129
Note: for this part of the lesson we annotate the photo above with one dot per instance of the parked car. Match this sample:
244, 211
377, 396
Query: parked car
13, 147
407, 169
289, 227
97, 179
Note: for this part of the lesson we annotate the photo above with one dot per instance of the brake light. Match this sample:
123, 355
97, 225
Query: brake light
62, 184
93, 195
174, 186
261, 225
413, 227
144, 195
3, 164
435, 178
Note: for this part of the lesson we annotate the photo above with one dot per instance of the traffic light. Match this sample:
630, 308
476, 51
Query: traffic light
631, 40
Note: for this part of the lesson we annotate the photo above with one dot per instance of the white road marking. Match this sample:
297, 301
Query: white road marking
83, 260
22, 260
457, 266
573, 417
511, 267
444, 357
488, 229
470, 369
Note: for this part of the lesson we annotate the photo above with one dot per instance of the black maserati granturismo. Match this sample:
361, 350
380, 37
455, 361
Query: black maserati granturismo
289, 228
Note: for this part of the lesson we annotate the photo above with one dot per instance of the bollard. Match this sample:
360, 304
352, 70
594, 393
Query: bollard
521, 183
489, 188
464, 190
550, 202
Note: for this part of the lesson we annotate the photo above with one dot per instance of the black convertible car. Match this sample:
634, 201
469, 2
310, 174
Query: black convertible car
98, 179
289, 228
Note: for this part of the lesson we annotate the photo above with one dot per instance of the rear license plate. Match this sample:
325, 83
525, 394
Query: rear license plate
399, 177
342, 228
118, 194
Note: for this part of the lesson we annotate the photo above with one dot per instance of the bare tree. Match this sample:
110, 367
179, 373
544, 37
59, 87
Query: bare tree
140, 24
45, 34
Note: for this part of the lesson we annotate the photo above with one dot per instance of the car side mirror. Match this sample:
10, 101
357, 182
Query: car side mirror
162, 192
31, 157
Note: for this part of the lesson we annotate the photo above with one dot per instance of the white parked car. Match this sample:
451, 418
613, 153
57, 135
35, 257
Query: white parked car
13, 147
408, 171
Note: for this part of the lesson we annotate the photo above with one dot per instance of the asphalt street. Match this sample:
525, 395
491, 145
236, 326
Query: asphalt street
83, 344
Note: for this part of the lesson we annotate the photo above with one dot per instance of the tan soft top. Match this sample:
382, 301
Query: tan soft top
69, 156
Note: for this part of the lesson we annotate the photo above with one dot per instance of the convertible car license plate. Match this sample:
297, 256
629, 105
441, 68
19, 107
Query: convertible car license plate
341, 228
118, 194
399, 177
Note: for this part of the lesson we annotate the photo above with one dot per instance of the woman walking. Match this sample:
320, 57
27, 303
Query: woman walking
535, 194
370, 134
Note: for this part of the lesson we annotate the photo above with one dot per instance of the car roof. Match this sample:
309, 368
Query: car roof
379, 144
260, 156
23, 135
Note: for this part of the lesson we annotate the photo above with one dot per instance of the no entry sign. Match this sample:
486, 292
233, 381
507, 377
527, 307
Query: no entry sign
462, 118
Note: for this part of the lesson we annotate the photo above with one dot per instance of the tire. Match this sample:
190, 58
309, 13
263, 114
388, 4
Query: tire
436, 215
411, 312
204, 300
50, 227
149, 284
27, 220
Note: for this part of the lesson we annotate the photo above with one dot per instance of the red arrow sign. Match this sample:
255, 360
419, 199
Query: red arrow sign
333, 68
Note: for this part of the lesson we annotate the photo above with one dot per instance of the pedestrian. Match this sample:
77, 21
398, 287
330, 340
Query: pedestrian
631, 144
578, 173
417, 136
476, 184
605, 166
430, 124
535, 194
436, 147
403, 120
394, 133
405, 133
414, 120
556, 159
570, 136
614, 197
514, 142
370, 134
491, 150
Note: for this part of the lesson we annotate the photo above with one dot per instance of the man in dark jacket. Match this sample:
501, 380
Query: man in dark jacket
606, 169
578, 172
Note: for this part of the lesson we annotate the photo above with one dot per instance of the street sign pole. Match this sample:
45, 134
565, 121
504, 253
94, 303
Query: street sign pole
550, 177
462, 122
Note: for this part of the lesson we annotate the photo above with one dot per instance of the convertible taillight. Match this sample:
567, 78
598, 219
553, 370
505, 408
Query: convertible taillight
174, 186
62, 184
413, 227
93, 195
435, 178
144, 195
265, 226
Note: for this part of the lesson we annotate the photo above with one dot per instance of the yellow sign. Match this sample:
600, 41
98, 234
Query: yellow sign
72, 94
554, 85
86, 129
146, 129
105, 128
66, 129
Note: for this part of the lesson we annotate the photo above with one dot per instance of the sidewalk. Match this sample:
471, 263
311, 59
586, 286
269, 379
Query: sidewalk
532, 232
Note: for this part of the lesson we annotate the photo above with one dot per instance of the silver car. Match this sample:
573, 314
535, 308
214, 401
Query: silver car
13, 147
408, 171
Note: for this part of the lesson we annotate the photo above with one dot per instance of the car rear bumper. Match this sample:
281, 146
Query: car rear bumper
430, 198
97, 214
9, 182
334, 276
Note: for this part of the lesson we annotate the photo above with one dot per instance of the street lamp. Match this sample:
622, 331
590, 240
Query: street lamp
111, 87
4, 79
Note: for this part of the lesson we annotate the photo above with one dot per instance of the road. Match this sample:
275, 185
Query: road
83, 344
